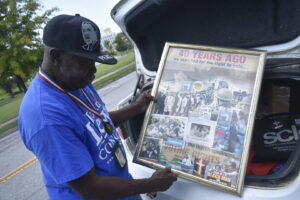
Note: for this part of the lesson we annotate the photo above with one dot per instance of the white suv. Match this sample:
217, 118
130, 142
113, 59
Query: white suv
270, 25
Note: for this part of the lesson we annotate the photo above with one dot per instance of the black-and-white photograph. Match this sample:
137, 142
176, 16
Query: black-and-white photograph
165, 127
174, 104
151, 148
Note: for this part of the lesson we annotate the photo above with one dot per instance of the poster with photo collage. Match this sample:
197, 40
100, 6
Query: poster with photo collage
201, 122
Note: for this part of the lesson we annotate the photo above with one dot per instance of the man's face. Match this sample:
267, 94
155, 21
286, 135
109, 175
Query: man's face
89, 33
76, 72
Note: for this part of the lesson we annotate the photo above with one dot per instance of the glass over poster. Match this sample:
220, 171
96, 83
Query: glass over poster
201, 123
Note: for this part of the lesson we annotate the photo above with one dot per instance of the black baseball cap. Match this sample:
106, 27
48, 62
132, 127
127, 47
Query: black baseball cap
76, 35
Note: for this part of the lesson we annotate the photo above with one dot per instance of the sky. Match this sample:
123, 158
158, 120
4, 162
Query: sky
96, 10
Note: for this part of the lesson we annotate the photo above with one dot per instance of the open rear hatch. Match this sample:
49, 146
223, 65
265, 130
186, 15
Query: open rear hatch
230, 23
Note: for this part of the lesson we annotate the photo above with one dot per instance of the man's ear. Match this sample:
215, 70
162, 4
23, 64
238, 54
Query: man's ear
55, 56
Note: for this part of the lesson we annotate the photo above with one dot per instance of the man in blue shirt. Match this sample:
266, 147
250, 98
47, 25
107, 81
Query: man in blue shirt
64, 122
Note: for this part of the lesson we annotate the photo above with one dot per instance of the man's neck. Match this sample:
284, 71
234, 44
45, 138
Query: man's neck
53, 77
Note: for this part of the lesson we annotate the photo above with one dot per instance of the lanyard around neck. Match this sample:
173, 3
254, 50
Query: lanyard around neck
77, 100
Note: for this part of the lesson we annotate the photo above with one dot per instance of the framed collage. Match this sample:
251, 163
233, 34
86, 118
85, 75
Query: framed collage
201, 123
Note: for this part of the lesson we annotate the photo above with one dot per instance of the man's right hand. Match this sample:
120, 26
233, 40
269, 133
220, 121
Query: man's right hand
162, 179
93, 186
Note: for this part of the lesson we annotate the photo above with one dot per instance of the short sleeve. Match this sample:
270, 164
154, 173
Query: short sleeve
62, 153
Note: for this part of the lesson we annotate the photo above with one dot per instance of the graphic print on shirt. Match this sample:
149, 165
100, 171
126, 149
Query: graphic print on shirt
95, 126
103, 141
89, 35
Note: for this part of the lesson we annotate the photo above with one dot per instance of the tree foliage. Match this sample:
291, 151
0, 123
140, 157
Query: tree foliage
122, 42
20, 42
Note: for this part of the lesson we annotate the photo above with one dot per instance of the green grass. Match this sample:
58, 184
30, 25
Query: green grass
126, 70
9, 99
10, 109
103, 69
4, 94
8, 126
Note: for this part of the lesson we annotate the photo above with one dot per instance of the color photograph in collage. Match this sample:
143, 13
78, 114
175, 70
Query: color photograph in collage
225, 171
216, 166
177, 158
200, 132
231, 127
203, 162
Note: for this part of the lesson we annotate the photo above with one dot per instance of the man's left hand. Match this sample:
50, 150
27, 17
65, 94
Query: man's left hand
144, 100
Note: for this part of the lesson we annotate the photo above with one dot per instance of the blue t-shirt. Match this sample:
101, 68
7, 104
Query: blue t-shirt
68, 144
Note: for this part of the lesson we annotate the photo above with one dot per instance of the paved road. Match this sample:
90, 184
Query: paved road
20, 176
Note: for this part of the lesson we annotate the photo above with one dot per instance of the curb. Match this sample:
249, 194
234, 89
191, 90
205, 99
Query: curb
116, 71
8, 132
8, 122
112, 80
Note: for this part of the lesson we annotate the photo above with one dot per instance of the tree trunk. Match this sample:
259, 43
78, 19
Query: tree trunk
8, 89
19, 86
10, 92
21, 83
